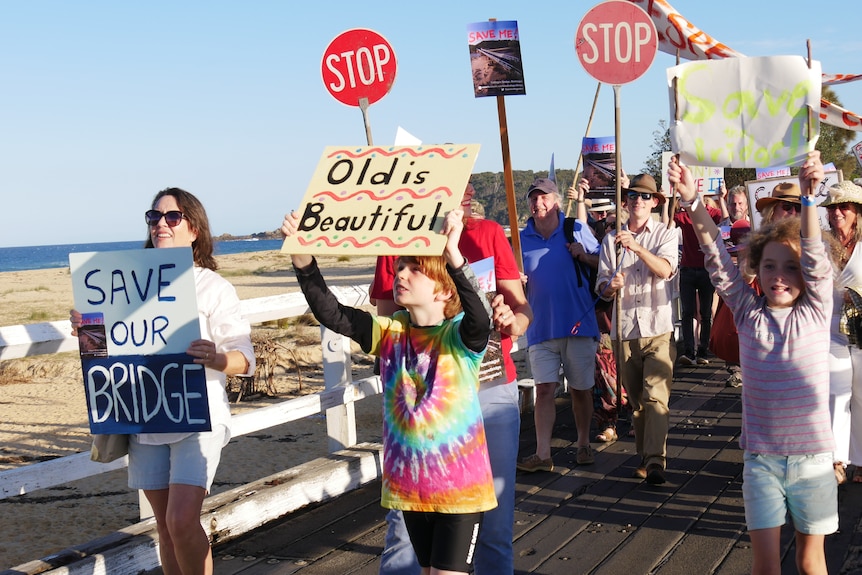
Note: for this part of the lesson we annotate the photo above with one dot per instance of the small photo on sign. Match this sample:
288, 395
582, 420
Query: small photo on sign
600, 165
495, 59
92, 339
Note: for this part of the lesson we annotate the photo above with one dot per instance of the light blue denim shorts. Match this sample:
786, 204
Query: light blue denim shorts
576, 355
804, 485
191, 461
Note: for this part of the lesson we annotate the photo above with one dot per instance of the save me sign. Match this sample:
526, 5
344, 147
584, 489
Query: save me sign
139, 313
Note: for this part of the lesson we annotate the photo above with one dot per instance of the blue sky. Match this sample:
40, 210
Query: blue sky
104, 103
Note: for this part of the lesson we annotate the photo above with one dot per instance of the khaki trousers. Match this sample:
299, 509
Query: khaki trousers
647, 372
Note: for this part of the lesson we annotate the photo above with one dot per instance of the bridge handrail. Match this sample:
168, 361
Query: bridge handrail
339, 394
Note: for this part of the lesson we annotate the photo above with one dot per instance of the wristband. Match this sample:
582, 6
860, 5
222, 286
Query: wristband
690, 206
808, 201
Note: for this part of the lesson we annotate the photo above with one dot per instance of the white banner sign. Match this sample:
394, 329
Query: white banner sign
744, 112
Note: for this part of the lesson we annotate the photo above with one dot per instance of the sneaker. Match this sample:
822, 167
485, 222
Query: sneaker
585, 455
535, 463
702, 360
735, 380
655, 474
685, 360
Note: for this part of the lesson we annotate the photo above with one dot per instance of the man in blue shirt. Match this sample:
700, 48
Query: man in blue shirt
564, 332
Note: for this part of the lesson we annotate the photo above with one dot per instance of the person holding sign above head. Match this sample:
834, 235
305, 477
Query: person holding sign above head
637, 265
436, 468
695, 290
784, 354
564, 334
176, 470
498, 395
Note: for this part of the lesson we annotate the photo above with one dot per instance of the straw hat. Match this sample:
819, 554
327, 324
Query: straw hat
601, 205
843, 192
645, 183
786, 192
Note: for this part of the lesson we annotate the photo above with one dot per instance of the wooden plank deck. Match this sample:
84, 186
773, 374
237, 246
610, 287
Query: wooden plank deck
595, 519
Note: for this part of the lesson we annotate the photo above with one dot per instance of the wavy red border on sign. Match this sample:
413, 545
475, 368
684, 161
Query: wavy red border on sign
358, 244
394, 151
371, 195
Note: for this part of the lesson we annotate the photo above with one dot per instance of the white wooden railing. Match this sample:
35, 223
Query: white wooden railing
233, 513
230, 514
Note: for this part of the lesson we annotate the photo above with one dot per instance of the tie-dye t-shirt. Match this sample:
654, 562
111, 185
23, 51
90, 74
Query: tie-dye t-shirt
435, 458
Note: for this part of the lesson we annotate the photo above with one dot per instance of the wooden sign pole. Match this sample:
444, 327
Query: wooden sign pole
363, 105
510, 183
586, 135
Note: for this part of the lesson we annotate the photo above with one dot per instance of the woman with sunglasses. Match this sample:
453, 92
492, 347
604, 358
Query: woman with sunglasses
843, 206
176, 470
783, 203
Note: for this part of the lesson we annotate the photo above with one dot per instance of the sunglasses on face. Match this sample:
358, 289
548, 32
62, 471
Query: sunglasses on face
843, 207
790, 207
642, 195
172, 218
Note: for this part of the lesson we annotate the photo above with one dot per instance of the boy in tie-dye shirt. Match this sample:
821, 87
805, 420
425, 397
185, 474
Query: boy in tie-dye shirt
435, 467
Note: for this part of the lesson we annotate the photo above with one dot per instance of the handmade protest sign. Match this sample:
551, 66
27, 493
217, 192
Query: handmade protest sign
763, 188
774, 172
707, 179
744, 112
139, 316
495, 58
382, 200
857, 151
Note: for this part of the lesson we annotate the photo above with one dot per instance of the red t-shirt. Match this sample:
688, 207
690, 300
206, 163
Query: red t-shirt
480, 239
692, 257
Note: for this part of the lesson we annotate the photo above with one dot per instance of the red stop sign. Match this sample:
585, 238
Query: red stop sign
358, 64
616, 42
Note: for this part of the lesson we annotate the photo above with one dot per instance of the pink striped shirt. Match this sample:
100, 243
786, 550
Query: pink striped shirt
784, 355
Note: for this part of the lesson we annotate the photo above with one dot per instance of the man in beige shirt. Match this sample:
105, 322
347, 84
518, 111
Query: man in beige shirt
649, 258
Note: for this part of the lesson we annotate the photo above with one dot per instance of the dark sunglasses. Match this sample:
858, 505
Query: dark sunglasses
842, 206
643, 195
172, 218
790, 207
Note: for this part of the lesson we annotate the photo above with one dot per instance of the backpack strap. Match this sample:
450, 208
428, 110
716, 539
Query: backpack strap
581, 268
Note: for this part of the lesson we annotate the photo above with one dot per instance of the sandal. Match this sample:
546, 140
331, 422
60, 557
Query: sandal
607, 436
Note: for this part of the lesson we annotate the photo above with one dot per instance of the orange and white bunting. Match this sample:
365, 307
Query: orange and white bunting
677, 34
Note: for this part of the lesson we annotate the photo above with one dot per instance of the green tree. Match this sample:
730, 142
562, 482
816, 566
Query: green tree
834, 143
661, 144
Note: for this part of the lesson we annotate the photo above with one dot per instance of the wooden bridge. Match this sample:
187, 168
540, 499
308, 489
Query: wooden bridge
595, 519
324, 516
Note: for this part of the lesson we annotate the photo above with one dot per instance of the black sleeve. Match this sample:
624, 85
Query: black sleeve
476, 325
355, 323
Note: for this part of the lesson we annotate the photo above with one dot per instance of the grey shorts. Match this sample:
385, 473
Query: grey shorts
575, 355
191, 461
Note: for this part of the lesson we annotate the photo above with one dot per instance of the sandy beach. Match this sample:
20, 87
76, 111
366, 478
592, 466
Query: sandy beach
43, 416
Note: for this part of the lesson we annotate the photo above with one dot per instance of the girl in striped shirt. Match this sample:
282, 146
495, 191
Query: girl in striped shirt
784, 355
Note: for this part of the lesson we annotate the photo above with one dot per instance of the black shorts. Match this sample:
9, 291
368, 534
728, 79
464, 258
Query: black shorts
444, 541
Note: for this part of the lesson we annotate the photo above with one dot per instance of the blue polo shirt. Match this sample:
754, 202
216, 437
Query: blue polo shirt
558, 286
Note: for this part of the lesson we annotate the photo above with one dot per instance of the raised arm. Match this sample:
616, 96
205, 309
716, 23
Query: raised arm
810, 175
476, 325
704, 226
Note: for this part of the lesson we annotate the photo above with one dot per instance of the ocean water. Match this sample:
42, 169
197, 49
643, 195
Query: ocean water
57, 256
